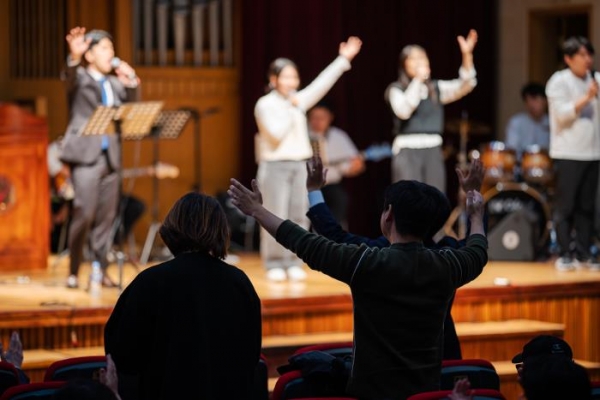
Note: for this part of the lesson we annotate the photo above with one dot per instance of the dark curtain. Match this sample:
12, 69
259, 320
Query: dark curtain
309, 32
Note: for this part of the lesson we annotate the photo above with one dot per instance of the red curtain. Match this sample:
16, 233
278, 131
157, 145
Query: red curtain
309, 32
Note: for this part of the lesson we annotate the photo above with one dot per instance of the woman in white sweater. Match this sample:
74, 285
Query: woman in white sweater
283, 146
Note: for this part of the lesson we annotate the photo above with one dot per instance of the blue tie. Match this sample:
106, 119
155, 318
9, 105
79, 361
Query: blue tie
104, 102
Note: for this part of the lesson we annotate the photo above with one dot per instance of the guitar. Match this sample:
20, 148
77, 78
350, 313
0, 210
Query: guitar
64, 187
375, 152
160, 170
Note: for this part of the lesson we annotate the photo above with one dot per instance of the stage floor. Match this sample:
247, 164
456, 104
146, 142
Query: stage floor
23, 290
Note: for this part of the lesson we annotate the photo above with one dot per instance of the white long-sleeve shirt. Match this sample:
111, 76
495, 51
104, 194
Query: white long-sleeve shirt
404, 103
282, 127
573, 136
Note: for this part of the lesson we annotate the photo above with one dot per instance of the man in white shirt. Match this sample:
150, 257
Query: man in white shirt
339, 154
575, 149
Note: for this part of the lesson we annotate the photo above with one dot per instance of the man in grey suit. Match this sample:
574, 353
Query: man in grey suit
95, 159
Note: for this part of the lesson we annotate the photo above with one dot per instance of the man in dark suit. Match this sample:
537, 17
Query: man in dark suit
95, 159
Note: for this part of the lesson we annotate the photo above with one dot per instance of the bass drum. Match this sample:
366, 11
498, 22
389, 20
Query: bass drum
509, 199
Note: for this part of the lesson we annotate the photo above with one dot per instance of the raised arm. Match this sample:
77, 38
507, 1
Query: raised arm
321, 218
250, 203
452, 90
311, 94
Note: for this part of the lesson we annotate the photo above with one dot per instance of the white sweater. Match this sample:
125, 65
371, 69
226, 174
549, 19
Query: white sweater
282, 129
572, 136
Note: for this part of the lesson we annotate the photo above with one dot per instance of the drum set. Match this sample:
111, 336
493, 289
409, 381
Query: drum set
522, 185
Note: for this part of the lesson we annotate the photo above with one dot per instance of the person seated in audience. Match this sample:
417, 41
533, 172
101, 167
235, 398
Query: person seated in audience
84, 389
14, 355
542, 345
400, 293
191, 325
554, 376
324, 223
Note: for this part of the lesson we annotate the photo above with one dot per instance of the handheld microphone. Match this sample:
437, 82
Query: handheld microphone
116, 62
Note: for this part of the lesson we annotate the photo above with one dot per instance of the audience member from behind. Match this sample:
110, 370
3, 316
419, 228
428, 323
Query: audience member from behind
324, 223
530, 127
553, 377
400, 293
191, 324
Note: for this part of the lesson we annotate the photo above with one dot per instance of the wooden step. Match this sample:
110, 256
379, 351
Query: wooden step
510, 387
501, 340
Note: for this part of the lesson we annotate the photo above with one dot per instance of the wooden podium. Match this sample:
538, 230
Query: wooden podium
24, 193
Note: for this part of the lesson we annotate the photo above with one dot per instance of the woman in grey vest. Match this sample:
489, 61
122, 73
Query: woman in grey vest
417, 103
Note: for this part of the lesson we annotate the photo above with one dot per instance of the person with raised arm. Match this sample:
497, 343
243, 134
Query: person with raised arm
400, 293
283, 146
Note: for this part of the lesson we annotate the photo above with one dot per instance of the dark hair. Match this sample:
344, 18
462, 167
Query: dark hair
97, 35
278, 65
574, 43
403, 77
84, 389
418, 208
325, 103
555, 377
533, 89
196, 223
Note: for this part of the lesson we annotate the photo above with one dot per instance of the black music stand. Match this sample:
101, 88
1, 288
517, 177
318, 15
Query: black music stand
130, 121
169, 125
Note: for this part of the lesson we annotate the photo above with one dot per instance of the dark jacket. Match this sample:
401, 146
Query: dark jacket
400, 296
187, 328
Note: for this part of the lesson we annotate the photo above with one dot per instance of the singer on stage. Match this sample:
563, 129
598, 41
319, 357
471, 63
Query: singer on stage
94, 160
283, 146
417, 104
574, 108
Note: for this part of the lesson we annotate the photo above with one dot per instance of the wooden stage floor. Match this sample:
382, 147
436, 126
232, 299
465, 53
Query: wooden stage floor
496, 314
45, 289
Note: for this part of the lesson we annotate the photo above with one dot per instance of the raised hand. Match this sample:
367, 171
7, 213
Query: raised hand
248, 201
474, 204
350, 48
108, 376
78, 45
14, 354
467, 45
461, 387
315, 174
473, 178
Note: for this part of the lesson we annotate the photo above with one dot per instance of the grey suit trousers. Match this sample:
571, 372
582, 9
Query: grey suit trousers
94, 210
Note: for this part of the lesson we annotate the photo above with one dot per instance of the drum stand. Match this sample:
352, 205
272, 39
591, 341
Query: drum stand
458, 214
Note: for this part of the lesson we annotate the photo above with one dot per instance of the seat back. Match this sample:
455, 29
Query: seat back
335, 349
32, 391
75, 368
8, 376
477, 394
595, 390
481, 374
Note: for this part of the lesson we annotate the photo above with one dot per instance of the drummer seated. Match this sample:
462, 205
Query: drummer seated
530, 127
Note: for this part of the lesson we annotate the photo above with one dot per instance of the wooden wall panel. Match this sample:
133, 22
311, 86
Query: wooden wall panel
579, 313
200, 89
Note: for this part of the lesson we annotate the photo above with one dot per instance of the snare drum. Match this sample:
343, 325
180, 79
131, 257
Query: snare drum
536, 166
499, 162
507, 198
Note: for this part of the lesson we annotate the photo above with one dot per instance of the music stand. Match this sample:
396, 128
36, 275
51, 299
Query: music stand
130, 121
169, 125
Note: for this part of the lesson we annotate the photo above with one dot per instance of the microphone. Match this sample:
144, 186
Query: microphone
116, 62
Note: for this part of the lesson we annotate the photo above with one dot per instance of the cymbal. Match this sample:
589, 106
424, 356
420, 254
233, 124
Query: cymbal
473, 127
